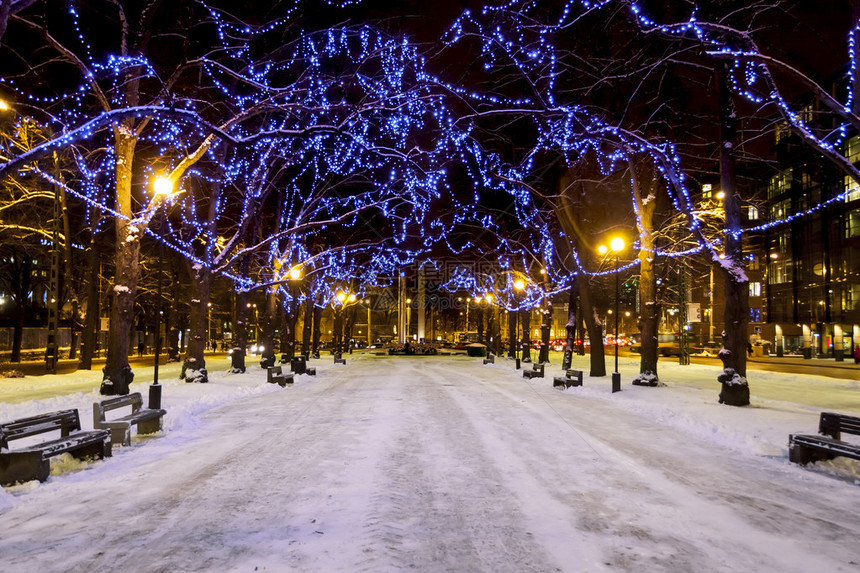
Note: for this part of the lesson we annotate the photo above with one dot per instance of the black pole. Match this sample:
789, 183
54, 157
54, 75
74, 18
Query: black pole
616, 312
158, 300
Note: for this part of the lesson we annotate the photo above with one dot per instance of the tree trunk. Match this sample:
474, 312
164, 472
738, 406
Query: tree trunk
645, 197
70, 278
337, 328
545, 328
479, 321
526, 315
91, 320
349, 321
18, 332
171, 319
292, 322
594, 327
240, 330
194, 365
570, 327
307, 326
316, 332
512, 333
735, 389
267, 356
117, 374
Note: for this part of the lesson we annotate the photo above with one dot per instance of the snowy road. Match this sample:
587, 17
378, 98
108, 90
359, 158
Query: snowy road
434, 464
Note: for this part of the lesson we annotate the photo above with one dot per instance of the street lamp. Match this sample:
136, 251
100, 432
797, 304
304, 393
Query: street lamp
519, 285
408, 330
616, 245
163, 189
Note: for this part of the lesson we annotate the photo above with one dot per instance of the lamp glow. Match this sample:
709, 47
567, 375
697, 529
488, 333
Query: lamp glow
163, 186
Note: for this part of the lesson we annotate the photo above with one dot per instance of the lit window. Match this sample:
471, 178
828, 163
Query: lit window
780, 210
780, 183
751, 212
755, 289
852, 189
755, 315
782, 131
779, 272
852, 224
852, 149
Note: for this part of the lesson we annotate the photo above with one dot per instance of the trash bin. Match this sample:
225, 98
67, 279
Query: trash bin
807, 352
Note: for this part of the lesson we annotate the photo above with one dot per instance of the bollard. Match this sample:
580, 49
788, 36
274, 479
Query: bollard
616, 382
155, 396
518, 364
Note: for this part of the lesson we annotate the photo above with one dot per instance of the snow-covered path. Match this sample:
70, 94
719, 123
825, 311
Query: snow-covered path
440, 464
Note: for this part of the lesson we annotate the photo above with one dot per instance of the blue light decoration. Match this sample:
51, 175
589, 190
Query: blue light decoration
521, 36
313, 154
317, 136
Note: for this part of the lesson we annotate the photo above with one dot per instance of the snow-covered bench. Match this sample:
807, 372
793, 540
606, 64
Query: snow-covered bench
339, 359
535, 372
147, 420
804, 448
31, 462
274, 375
570, 378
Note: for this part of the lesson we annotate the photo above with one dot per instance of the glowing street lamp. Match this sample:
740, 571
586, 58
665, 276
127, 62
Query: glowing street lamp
617, 245
162, 187
519, 285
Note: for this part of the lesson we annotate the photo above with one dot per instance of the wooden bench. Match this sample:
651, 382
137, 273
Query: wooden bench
31, 462
535, 372
570, 378
274, 375
490, 359
339, 359
147, 420
803, 448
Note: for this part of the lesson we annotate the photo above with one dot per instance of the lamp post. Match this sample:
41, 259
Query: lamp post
616, 245
519, 285
337, 308
369, 340
163, 188
408, 329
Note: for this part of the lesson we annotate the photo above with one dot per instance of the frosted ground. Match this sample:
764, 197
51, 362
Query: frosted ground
442, 464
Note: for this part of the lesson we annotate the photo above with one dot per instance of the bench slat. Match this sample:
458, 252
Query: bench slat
66, 421
135, 400
825, 444
833, 424
139, 416
67, 444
